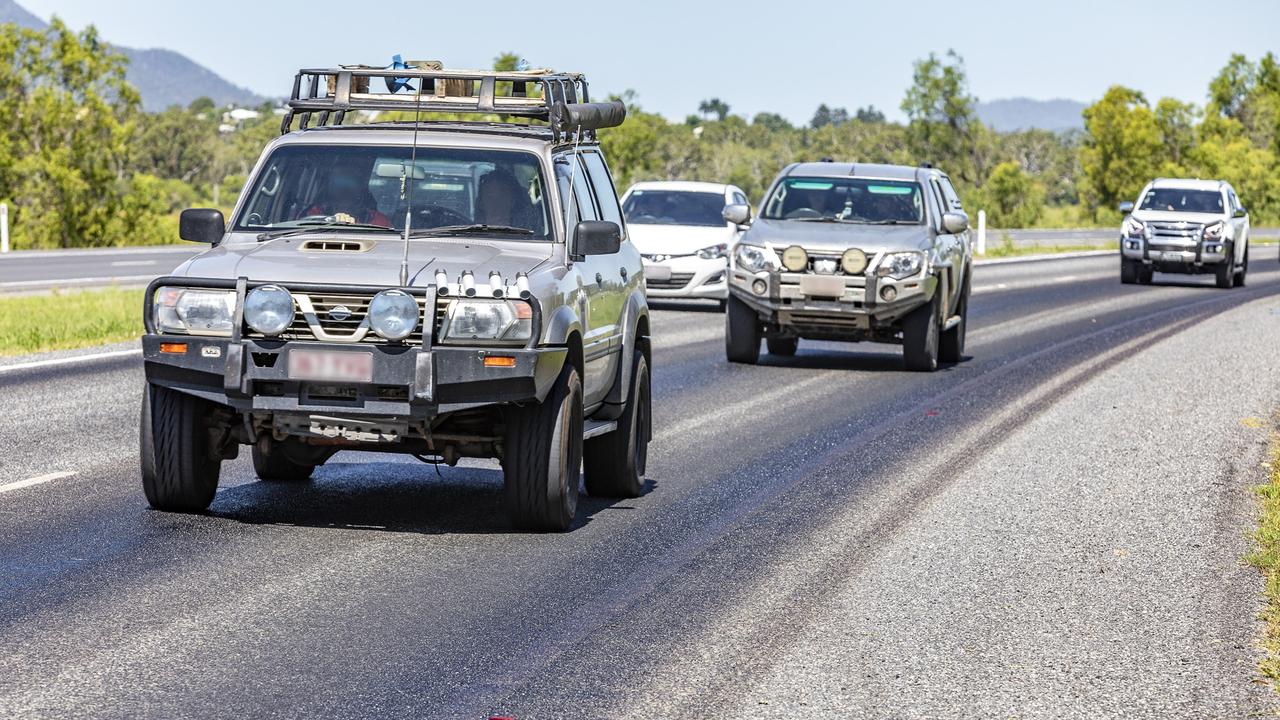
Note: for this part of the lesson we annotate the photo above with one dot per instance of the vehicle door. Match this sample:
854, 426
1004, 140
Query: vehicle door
947, 244
963, 245
596, 311
1239, 225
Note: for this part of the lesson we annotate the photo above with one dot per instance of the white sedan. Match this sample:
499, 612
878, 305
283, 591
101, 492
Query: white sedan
682, 236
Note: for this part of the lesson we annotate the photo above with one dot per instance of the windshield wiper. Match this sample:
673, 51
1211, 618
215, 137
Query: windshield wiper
892, 222
311, 227
477, 229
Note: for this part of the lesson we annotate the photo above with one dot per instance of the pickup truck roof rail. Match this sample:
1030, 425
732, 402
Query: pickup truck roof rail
559, 99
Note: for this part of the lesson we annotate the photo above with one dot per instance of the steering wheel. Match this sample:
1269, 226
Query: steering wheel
803, 213
434, 216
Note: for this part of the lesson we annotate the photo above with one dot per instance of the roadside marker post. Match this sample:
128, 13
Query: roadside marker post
4, 228
982, 232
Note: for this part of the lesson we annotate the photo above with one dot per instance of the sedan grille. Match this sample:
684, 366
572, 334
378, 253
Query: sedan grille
676, 282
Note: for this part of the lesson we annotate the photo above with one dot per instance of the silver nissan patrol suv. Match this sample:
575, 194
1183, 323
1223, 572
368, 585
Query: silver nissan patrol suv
853, 252
441, 289
1186, 227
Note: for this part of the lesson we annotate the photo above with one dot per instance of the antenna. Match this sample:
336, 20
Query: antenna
413, 168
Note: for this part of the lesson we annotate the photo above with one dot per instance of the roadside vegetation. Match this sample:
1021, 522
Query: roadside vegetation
1266, 557
81, 164
68, 319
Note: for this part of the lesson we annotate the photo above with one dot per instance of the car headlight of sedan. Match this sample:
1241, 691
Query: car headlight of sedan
712, 252
488, 322
1213, 231
393, 314
269, 309
754, 258
1134, 228
901, 265
195, 311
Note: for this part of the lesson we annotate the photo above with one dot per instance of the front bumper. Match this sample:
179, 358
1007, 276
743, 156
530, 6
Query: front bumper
687, 276
252, 376
1167, 256
863, 309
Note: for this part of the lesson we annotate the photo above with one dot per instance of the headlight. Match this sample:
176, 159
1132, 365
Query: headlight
268, 309
901, 265
795, 258
1213, 231
853, 262
754, 259
714, 251
193, 311
488, 321
393, 314
1134, 228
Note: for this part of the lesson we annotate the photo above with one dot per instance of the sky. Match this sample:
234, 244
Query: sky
784, 57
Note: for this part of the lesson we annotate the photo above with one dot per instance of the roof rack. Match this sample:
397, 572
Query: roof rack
559, 99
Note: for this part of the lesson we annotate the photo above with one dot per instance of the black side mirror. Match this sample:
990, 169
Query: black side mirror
597, 237
1241, 212
203, 225
1126, 207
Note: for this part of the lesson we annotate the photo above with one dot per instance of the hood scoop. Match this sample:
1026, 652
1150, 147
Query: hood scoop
329, 245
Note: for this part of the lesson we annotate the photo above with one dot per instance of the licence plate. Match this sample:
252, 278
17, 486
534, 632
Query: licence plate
822, 286
1174, 257
660, 273
329, 365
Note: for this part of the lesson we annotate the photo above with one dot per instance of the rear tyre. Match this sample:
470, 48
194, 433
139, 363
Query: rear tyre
1225, 273
951, 347
271, 462
920, 338
1128, 271
1145, 274
741, 332
179, 469
543, 456
1244, 269
614, 463
782, 347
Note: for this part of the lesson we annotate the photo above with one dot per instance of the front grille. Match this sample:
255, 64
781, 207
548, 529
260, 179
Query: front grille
341, 318
1181, 230
676, 282
811, 267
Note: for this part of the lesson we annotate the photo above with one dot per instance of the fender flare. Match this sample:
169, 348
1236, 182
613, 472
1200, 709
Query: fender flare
636, 307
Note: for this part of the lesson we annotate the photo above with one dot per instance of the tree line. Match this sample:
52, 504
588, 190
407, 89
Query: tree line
82, 165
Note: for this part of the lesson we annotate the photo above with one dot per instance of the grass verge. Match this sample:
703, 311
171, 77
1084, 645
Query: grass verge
1009, 250
66, 320
1266, 557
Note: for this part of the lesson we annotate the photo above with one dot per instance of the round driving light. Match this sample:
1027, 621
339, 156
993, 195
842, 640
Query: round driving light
795, 258
269, 309
393, 314
853, 262
889, 293
759, 287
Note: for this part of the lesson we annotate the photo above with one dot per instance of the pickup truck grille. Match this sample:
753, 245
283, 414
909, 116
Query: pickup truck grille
1180, 230
331, 317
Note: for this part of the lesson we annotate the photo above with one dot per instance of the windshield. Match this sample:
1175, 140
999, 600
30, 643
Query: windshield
371, 187
1177, 200
674, 207
855, 200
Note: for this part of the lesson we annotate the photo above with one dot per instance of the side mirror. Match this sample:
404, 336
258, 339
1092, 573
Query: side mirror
955, 222
1241, 212
737, 214
597, 237
1126, 207
203, 225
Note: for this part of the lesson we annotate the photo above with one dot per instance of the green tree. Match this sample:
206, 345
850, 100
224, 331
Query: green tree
1122, 148
943, 126
1013, 198
714, 107
1176, 121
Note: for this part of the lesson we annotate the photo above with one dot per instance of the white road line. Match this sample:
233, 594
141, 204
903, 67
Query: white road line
55, 282
72, 360
124, 263
37, 480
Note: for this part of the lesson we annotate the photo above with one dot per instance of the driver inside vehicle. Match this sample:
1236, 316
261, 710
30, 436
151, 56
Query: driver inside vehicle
347, 199
501, 200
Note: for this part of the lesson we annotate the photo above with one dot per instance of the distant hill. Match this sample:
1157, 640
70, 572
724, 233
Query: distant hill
1025, 113
162, 77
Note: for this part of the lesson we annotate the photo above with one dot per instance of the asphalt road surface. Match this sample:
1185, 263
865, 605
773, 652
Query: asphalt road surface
29, 271
1052, 528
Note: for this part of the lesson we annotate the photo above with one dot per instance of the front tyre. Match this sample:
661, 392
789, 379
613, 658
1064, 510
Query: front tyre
1225, 273
1129, 271
920, 333
543, 455
741, 332
179, 469
614, 463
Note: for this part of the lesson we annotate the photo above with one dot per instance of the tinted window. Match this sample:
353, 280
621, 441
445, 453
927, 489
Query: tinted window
575, 193
740, 199
606, 196
303, 185
949, 192
674, 207
854, 200
1178, 200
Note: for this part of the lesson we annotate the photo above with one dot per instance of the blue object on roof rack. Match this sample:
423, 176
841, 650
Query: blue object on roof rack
395, 85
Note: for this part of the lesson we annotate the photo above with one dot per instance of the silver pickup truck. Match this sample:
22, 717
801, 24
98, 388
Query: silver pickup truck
1186, 227
439, 289
852, 252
